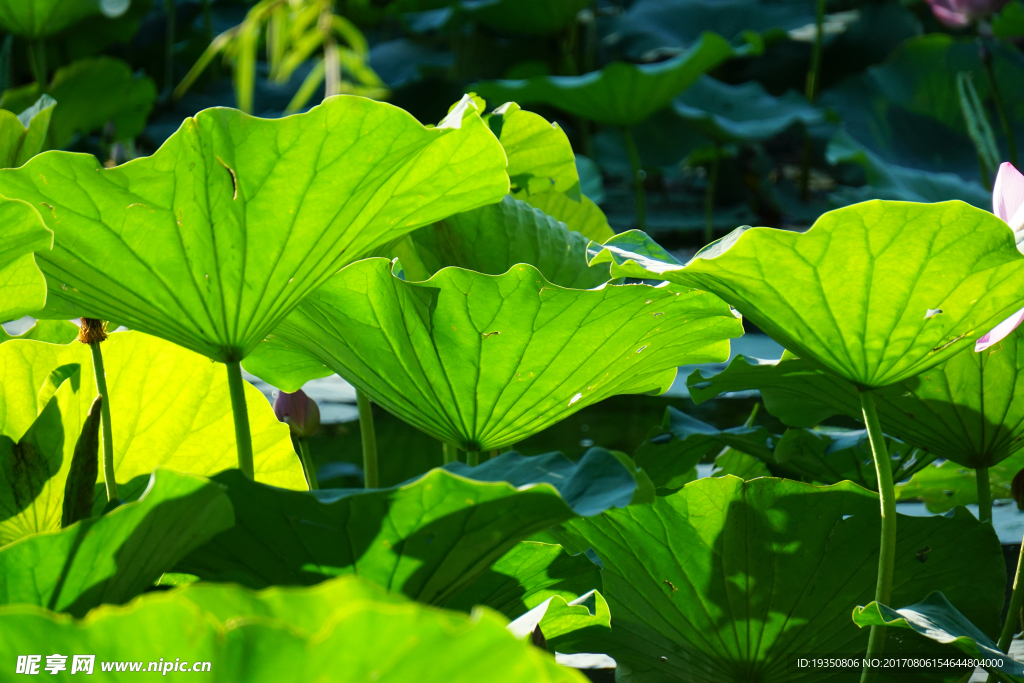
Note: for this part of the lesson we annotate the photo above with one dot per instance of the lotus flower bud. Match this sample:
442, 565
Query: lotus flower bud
1017, 489
298, 411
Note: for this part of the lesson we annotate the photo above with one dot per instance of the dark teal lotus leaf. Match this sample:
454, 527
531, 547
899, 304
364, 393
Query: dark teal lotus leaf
113, 558
620, 94
427, 539
483, 362
936, 619
727, 580
672, 449
741, 113
287, 634
532, 17
875, 293
969, 409
891, 181
224, 229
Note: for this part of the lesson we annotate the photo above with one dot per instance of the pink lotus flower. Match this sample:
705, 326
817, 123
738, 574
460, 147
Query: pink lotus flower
960, 13
1008, 204
298, 411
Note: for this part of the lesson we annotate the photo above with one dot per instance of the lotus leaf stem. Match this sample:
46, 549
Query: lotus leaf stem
1013, 613
308, 468
169, 45
1000, 104
109, 479
984, 495
243, 437
371, 476
638, 177
811, 92
450, 453
37, 62
709, 197
472, 458
887, 549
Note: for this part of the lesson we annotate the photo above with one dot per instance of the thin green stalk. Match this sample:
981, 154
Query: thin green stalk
1013, 614
984, 494
450, 453
37, 62
108, 439
308, 468
997, 99
709, 197
887, 548
243, 437
472, 458
169, 45
638, 177
811, 92
371, 476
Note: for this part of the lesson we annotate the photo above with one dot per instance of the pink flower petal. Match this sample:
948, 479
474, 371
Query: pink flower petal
1008, 194
1000, 331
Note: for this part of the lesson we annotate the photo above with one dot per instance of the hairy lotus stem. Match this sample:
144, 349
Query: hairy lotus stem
169, 45
472, 458
887, 549
709, 197
1013, 613
450, 453
37, 62
638, 178
308, 468
1000, 104
93, 334
984, 494
811, 92
371, 476
243, 437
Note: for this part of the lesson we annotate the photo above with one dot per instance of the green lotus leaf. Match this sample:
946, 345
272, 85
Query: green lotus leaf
620, 94
22, 287
738, 464
563, 622
532, 17
169, 407
89, 94
938, 620
113, 558
1009, 23
527, 576
969, 409
279, 634
482, 362
24, 136
427, 539
540, 157
584, 216
944, 486
52, 331
41, 18
496, 237
591, 178
725, 580
188, 244
875, 293
741, 113
672, 449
